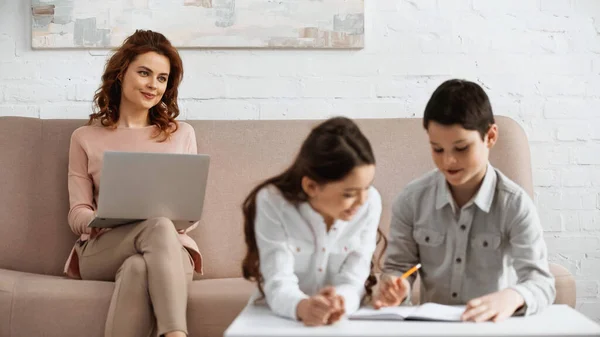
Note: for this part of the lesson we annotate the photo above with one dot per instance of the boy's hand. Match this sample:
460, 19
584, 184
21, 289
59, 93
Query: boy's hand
392, 292
315, 311
495, 307
338, 305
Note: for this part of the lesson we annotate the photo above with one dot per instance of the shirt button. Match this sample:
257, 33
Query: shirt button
454, 295
297, 249
320, 269
463, 227
458, 260
427, 239
323, 249
485, 244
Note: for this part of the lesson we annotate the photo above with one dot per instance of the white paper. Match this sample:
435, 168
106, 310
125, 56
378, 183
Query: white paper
438, 312
387, 313
427, 311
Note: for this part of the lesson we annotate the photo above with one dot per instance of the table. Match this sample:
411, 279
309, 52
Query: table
258, 320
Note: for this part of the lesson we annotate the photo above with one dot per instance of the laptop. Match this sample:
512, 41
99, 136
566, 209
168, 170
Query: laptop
136, 186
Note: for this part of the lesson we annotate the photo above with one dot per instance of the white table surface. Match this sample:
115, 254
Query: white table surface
255, 321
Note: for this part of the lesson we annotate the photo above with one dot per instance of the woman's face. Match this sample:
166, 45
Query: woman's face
145, 81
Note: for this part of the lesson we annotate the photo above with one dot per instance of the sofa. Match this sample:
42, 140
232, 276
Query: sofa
37, 300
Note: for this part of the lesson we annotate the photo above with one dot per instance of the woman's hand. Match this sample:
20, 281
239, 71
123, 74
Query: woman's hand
96, 232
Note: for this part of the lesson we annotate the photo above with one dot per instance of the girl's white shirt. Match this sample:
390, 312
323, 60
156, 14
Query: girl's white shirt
299, 257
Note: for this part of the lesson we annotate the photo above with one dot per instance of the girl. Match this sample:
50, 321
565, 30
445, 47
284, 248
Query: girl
311, 231
150, 262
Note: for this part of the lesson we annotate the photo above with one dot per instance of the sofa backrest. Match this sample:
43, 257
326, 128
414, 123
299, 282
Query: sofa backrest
35, 237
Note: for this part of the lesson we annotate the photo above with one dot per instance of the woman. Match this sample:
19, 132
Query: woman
311, 231
150, 262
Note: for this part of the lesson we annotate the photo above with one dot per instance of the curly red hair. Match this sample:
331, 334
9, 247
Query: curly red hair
108, 97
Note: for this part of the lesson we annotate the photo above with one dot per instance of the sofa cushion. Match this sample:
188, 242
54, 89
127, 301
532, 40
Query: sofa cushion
214, 304
61, 306
65, 307
8, 282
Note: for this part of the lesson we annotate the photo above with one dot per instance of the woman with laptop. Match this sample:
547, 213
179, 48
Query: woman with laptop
150, 261
311, 231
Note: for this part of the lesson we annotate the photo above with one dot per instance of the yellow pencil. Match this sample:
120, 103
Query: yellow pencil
410, 271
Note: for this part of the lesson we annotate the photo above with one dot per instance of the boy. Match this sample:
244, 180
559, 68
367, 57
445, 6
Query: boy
469, 226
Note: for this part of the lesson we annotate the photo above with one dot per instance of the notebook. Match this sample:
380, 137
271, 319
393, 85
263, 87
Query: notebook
424, 312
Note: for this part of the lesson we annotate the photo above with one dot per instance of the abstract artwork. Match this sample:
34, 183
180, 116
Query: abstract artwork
200, 23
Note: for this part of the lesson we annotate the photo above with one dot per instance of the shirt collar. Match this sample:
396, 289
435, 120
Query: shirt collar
483, 198
314, 217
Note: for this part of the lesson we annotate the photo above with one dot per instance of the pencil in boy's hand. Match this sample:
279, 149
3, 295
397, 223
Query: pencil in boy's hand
410, 271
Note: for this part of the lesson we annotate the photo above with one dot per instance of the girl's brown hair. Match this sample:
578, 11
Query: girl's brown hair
108, 97
329, 153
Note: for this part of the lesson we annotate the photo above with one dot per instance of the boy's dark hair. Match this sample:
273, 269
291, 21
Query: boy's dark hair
460, 102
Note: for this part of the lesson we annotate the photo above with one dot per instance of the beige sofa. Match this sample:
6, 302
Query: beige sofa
36, 300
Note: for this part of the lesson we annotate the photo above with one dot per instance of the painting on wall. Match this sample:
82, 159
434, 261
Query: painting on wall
328, 24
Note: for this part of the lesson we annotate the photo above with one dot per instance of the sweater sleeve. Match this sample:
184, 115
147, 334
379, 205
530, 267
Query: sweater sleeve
81, 198
192, 145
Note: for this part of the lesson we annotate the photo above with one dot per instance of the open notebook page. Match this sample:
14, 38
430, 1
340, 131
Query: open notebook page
425, 312
437, 312
384, 314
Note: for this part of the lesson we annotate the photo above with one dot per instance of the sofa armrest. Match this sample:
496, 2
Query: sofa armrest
565, 285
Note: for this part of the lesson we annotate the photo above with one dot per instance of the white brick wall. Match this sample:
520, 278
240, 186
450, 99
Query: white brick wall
538, 59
